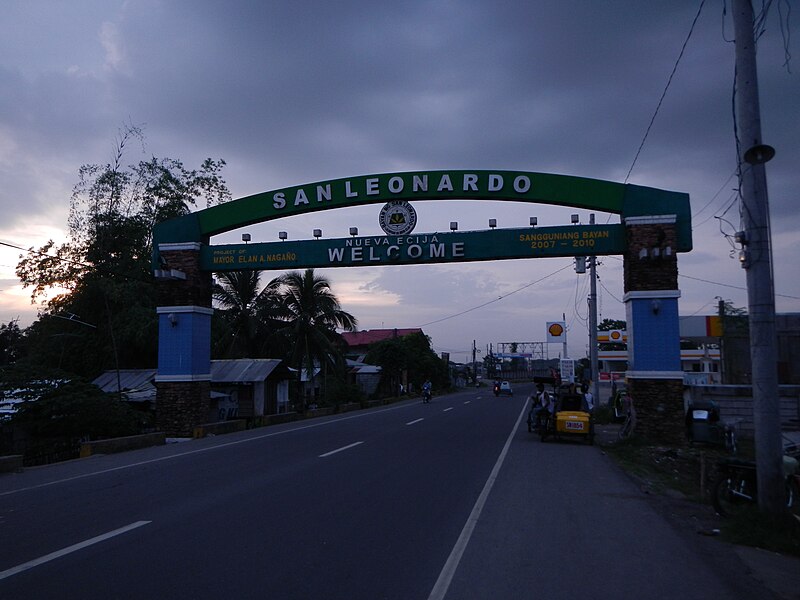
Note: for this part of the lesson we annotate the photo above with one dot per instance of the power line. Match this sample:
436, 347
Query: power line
602, 285
669, 81
498, 298
698, 310
719, 191
32, 251
736, 287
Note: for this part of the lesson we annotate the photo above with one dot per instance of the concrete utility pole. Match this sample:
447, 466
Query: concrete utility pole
756, 259
474, 364
593, 324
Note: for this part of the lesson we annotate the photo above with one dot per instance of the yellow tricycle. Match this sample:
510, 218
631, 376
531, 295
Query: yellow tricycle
571, 418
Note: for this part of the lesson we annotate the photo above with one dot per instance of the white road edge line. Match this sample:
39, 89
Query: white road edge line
446, 409
342, 449
468, 401
415, 421
448, 571
70, 549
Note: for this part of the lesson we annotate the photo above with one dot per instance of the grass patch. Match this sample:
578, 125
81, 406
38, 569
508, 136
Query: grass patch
688, 470
692, 471
754, 528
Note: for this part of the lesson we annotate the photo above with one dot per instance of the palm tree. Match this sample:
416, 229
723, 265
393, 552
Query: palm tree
248, 312
312, 314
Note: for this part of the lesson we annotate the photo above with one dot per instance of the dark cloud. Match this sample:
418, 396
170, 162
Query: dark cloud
290, 93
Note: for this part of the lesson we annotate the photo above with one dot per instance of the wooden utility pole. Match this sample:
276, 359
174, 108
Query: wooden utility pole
756, 258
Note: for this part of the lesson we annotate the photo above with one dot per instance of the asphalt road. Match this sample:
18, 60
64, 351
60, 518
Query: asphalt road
453, 499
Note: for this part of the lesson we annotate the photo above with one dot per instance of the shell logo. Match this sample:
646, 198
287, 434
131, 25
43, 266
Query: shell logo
556, 330
615, 336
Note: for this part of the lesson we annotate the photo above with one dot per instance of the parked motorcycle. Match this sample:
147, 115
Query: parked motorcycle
735, 489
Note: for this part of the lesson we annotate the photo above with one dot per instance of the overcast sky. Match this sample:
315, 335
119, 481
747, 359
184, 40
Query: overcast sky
296, 92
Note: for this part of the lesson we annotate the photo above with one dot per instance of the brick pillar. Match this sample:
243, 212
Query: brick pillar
655, 378
181, 406
183, 382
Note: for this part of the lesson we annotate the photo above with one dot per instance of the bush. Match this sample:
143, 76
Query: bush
343, 393
77, 410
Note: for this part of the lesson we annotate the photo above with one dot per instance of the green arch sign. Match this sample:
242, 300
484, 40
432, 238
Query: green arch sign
516, 186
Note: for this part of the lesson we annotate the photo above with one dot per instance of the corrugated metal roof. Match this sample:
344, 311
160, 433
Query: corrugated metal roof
355, 366
242, 370
129, 379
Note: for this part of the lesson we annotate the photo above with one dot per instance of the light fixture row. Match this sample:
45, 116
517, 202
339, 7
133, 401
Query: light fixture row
534, 221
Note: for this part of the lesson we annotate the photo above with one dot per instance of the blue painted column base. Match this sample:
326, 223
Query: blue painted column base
183, 382
184, 352
654, 344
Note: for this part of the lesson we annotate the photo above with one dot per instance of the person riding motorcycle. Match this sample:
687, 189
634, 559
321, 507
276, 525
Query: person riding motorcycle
426, 391
541, 406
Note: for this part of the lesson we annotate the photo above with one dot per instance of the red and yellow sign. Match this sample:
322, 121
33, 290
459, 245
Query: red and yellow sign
556, 331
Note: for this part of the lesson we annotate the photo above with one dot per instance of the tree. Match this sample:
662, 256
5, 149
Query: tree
411, 353
104, 315
311, 315
611, 324
247, 321
392, 357
77, 410
10, 338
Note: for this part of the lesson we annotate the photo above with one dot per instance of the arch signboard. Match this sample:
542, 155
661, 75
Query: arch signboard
517, 186
654, 226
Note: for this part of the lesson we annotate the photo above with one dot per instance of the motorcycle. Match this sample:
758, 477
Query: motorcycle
426, 396
496, 389
735, 489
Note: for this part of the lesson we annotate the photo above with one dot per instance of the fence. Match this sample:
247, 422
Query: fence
735, 403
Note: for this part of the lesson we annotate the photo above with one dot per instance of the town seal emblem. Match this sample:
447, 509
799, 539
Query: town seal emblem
397, 217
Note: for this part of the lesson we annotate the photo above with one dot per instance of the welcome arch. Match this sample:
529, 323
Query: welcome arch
655, 226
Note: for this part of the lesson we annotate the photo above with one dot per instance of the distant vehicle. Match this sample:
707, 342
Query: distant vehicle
505, 388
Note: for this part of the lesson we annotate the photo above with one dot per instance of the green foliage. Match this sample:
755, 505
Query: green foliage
341, 392
246, 322
10, 342
735, 322
611, 324
310, 315
56, 407
411, 353
104, 314
20, 382
490, 362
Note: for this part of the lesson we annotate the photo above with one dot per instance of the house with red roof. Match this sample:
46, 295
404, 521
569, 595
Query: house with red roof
358, 342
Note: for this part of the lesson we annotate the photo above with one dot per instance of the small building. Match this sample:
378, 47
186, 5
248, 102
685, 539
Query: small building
249, 387
714, 350
240, 388
358, 342
365, 377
